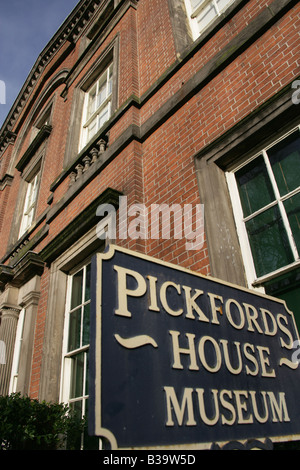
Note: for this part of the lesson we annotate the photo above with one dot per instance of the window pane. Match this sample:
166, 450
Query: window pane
29, 216
206, 16
110, 80
74, 330
103, 116
101, 94
222, 4
92, 128
254, 186
88, 283
286, 287
76, 298
98, 96
76, 389
292, 207
86, 325
30, 203
285, 161
87, 376
196, 3
269, 243
76, 406
92, 102
33, 191
75, 442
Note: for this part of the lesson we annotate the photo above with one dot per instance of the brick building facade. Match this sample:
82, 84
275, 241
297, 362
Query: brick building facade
165, 102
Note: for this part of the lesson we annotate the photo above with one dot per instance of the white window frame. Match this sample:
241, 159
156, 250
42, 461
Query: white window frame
67, 263
194, 14
44, 120
105, 78
17, 353
30, 202
68, 355
240, 220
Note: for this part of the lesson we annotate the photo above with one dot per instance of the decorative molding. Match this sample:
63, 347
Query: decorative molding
10, 311
216, 65
6, 275
6, 181
31, 299
88, 160
25, 269
33, 147
19, 249
79, 226
98, 37
77, 20
67, 33
251, 444
6, 138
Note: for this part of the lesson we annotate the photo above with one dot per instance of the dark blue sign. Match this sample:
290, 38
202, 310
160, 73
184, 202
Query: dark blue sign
178, 358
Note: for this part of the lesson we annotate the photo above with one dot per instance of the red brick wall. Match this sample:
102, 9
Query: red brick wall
39, 336
161, 169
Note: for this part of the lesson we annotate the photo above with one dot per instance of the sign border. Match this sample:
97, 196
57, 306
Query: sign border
95, 427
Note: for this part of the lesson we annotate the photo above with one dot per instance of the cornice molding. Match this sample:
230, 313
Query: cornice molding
212, 68
6, 181
27, 267
67, 33
6, 138
102, 29
35, 144
79, 226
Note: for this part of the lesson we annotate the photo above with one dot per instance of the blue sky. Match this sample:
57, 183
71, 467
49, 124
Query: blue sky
26, 26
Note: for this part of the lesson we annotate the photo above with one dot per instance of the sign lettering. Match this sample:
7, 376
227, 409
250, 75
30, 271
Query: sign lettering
179, 358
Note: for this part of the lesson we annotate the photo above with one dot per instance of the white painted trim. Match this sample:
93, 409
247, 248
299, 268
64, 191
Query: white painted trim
241, 230
17, 352
252, 280
194, 14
